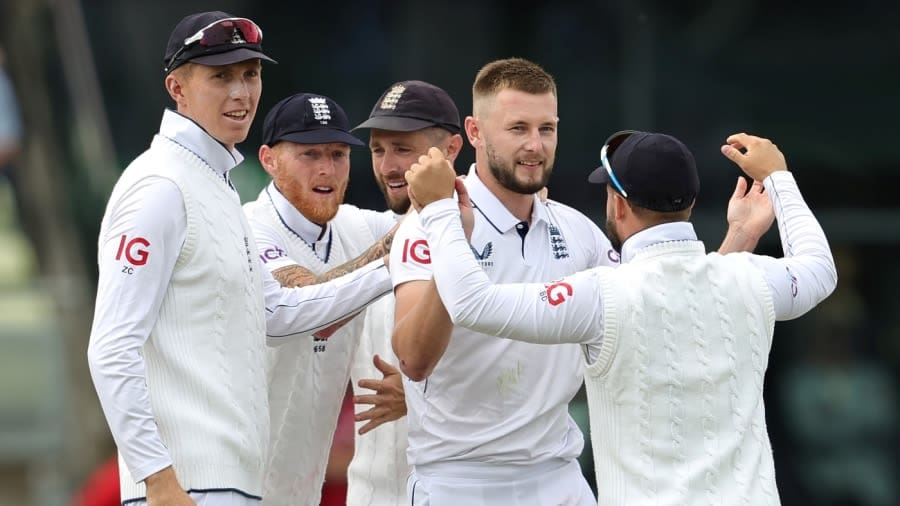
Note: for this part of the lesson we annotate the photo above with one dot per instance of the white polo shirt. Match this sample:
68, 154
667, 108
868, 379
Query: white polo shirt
490, 399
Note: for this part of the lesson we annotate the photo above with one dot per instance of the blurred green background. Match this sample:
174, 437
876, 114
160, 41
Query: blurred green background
822, 81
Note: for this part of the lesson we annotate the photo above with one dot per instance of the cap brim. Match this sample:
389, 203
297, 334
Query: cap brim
395, 124
598, 176
321, 136
229, 57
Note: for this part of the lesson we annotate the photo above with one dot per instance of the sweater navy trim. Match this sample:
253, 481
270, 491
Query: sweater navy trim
339, 318
202, 491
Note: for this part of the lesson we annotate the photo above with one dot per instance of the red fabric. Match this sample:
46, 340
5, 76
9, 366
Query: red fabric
102, 486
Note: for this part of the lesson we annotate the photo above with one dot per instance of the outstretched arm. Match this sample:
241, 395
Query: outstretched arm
555, 312
297, 275
299, 302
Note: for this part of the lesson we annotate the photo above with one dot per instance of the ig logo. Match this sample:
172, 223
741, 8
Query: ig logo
135, 252
556, 293
417, 251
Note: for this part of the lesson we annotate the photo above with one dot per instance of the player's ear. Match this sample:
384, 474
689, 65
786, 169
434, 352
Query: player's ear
267, 159
620, 205
473, 131
454, 146
173, 87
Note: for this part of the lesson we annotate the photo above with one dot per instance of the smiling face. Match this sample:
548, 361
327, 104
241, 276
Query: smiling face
222, 99
313, 177
394, 152
517, 136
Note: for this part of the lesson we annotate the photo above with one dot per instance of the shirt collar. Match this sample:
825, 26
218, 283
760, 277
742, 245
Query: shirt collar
494, 210
677, 231
308, 231
191, 136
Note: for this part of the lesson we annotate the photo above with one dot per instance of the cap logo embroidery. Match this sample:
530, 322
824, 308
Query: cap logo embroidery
237, 37
392, 97
321, 112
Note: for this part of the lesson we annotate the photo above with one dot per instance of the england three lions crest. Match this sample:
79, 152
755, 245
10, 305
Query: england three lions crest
558, 243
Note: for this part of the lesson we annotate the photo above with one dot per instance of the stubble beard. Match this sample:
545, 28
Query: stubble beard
612, 233
397, 206
506, 175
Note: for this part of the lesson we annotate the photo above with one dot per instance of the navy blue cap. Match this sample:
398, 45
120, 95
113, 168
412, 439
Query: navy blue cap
235, 50
657, 171
408, 106
307, 118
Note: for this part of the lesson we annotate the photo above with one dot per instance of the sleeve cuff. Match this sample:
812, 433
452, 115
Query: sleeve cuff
779, 176
437, 209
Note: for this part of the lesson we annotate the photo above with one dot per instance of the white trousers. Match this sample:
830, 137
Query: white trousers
454, 484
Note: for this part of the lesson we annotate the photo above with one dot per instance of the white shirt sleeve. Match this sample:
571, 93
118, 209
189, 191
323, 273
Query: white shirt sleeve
302, 311
563, 311
141, 242
270, 246
806, 275
410, 254
305, 310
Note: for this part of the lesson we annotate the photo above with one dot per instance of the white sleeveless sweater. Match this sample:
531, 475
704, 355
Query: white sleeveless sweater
676, 394
308, 376
205, 356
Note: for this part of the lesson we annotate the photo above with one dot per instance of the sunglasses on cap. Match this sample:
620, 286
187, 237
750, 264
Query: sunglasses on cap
223, 31
604, 159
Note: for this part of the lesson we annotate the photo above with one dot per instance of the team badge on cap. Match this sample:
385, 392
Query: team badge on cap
392, 97
321, 112
407, 106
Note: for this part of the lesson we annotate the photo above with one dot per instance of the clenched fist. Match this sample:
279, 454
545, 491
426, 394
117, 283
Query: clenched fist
430, 179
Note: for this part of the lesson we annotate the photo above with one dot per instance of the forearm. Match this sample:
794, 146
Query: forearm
421, 333
738, 239
304, 310
296, 275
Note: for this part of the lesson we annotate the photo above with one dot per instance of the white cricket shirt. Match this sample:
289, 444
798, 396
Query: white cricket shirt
490, 399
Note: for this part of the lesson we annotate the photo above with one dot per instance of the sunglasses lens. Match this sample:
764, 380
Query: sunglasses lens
231, 31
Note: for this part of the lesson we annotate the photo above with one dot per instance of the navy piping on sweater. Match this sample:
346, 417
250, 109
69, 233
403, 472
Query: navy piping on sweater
203, 491
339, 318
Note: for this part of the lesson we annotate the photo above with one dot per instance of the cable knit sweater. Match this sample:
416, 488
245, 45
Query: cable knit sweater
377, 474
675, 396
308, 377
206, 352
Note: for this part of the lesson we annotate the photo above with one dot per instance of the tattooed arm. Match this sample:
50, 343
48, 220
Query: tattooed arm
296, 275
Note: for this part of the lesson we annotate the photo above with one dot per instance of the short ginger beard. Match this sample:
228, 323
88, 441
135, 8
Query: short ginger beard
506, 175
314, 211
